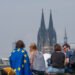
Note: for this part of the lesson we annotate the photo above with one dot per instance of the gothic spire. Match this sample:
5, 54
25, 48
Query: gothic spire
50, 21
65, 37
51, 31
42, 33
42, 21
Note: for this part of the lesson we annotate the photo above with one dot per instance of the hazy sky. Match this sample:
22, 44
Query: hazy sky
20, 19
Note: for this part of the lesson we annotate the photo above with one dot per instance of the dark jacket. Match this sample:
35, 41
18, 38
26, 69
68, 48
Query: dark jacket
58, 59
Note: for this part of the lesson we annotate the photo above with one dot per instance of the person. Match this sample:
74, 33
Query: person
37, 60
19, 60
67, 51
68, 55
57, 61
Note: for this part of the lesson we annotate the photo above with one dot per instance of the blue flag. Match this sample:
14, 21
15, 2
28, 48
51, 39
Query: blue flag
19, 61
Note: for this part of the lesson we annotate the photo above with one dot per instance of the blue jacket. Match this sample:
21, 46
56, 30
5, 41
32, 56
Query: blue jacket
19, 61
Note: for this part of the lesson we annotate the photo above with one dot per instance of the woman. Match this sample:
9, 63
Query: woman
57, 61
19, 60
37, 60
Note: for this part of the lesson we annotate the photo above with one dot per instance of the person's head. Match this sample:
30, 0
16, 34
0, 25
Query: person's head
20, 44
57, 47
66, 47
33, 47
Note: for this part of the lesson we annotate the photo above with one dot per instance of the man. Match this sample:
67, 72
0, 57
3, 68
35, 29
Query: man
68, 53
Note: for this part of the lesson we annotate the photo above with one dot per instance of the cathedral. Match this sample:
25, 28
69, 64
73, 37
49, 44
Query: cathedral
46, 38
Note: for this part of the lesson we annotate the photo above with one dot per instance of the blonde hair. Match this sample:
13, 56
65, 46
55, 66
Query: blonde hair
33, 47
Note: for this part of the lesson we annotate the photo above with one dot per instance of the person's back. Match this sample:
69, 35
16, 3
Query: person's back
19, 60
16, 56
57, 59
39, 63
37, 60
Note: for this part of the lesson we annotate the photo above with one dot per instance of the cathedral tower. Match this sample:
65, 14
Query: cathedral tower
46, 37
52, 32
65, 37
42, 33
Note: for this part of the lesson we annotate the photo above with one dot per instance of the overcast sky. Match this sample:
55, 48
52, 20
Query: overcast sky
20, 19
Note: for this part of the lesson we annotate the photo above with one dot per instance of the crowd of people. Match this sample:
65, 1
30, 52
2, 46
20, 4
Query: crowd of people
62, 60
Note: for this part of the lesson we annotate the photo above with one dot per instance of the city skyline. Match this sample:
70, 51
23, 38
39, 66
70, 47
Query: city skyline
21, 20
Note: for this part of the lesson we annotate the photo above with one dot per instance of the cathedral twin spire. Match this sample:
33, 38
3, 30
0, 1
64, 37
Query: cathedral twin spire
50, 22
42, 21
46, 36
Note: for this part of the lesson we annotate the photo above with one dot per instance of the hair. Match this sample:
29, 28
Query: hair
67, 45
33, 47
9, 70
57, 47
20, 44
